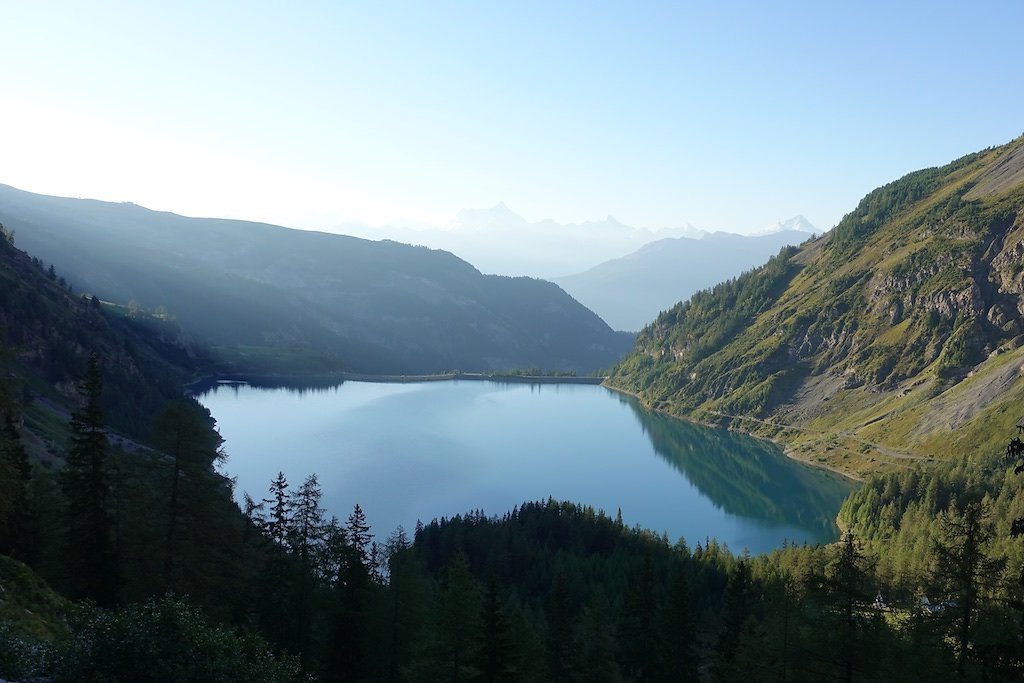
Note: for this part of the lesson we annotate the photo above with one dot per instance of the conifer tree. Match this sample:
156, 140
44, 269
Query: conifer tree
966, 572
182, 434
559, 633
640, 632
595, 647
679, 629
352, 597
450, 649
306, 537
846, 579
736, 611
276, 578
359, 536
279, 521
459, 621
18, 523
88, 546
406, 598
495, 649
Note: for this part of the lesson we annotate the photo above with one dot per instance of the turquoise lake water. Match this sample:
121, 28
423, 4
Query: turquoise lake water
419, 451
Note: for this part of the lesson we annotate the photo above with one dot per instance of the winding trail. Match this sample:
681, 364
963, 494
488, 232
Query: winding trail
882, 450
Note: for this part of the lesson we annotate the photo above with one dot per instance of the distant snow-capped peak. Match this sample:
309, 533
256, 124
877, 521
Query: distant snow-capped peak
474, 218
795, 223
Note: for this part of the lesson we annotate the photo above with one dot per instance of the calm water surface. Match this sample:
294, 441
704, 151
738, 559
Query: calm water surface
408, 452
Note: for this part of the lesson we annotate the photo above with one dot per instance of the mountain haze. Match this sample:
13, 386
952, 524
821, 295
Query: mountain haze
498, 240
895, 337
259, 290
629, 292
47, 335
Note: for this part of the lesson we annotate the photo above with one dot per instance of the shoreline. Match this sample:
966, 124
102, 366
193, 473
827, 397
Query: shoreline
785, 451
207, 382
782, 447
475, 377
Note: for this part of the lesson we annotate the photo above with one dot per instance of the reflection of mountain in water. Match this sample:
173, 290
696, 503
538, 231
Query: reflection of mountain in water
747, 477
301, 385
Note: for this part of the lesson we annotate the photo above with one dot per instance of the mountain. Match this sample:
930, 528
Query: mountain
796, 223
893, 339
629, 292
261, 291
498, 240
47, 334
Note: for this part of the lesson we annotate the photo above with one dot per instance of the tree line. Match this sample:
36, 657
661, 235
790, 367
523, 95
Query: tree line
153, 547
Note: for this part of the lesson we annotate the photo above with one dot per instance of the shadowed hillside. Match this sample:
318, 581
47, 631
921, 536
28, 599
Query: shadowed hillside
254, 289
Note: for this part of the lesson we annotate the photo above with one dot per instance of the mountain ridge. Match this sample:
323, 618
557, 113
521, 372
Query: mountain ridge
630, 291
892, 339
498, 240
377, 307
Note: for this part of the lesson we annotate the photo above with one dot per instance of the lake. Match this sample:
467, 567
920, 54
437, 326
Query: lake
419, 451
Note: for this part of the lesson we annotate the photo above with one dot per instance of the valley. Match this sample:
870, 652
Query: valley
885, 355
512, 343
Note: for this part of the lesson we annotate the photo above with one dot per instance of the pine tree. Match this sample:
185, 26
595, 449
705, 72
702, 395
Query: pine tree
18, 518
966, 572
679, 629
736, 612
458, 625
279, 522
846, 581
1015, 456
306, 536
450, 649
359, 535
277, 608
181, 433
640, 632
88, 547
352, 602
559, 634
495, 650
406, 597
595, 647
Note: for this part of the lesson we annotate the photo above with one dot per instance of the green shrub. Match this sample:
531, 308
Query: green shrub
166, 640
22, 658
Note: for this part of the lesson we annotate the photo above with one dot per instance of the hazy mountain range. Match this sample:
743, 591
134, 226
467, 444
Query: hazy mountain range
629, 292
259, 292
498, 240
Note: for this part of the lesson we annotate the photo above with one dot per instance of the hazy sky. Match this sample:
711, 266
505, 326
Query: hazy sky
725, 115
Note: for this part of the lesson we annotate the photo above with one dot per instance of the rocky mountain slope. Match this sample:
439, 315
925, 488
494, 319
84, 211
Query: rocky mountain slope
258, 290
894, 338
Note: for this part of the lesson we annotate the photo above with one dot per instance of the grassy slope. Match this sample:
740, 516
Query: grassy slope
879, 346
28, 606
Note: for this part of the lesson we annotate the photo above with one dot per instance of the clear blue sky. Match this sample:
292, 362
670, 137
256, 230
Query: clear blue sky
722, 114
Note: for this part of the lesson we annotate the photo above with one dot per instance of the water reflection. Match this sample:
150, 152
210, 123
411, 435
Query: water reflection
745, 476
409, 451
300, 386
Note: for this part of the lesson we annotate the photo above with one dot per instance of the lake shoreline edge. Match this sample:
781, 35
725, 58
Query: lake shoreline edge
205, 383
785, 450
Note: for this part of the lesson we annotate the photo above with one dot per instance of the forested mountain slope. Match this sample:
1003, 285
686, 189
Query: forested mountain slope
895, 337
372, 306
48, 332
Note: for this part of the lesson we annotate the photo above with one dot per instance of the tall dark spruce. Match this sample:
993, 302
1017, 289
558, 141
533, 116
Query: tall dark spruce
88, 546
